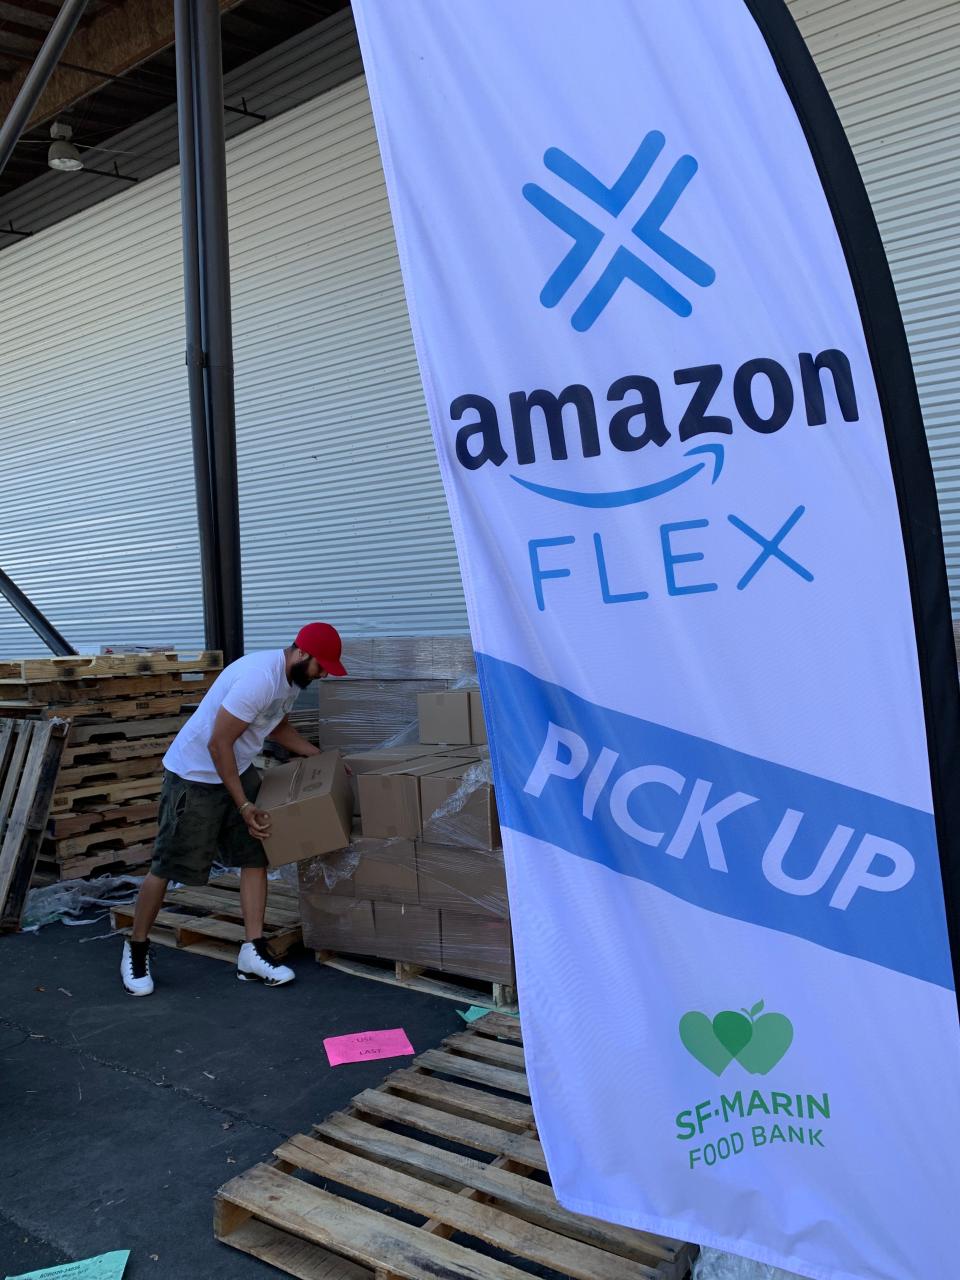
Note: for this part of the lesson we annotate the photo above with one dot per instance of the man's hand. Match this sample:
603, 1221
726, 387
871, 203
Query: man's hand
257, 820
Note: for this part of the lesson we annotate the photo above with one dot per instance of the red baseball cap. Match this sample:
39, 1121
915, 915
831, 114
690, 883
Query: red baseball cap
322, 642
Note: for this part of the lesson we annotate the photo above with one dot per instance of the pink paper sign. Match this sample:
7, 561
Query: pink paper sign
365, 1045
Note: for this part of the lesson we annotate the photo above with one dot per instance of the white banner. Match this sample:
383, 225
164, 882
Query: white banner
664, 450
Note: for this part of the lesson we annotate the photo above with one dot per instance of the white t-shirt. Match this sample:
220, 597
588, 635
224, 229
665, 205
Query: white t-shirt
255, 688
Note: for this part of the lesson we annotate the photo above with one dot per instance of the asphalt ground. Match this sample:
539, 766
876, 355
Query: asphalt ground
120, 1117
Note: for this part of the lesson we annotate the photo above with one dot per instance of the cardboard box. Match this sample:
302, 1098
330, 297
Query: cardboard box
310, 805
408, 933
359, 762
477, 946
474, 824
465, 880
478, 726
444, 717
387, 871
337, 924
390, 799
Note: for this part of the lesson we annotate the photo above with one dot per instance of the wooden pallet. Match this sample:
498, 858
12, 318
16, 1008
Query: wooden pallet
100, 795
208, 921
109, 732
63, 692
114, 664
131, 860
85, 775
96, 842
164, 705
398, 973
105, 753
121, 815
452, 1095
30, 754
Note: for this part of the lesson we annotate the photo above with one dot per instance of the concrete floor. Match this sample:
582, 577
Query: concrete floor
120, 1117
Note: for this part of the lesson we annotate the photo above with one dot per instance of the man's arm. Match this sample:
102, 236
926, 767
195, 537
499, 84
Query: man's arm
288, 738
227, 729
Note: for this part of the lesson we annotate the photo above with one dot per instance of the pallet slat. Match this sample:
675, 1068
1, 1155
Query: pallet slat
463, 1100
467, 1133
479, 1072
297, 1257
399, 974
362, 1234
523, 1195
494, 1226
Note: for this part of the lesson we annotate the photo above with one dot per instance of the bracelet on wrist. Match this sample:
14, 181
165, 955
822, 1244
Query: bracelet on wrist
247, 804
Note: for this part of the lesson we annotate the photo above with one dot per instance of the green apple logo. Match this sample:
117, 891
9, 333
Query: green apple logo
756, 1039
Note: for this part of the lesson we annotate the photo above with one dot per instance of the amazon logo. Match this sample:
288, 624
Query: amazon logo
536, 423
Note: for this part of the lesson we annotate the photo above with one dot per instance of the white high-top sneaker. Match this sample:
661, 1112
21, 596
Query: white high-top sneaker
256, 964
135, 968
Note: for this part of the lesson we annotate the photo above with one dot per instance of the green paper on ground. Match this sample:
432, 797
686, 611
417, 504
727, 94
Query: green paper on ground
105, 1266
477, 1011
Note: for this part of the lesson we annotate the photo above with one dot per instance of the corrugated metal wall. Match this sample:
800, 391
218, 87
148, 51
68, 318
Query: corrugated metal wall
342, 511
893, 71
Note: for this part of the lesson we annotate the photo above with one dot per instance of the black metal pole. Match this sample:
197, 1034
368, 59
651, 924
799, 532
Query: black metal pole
217, 323
58, 37
206, 518
29, 612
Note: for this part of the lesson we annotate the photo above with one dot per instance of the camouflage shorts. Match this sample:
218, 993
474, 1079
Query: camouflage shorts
198, 821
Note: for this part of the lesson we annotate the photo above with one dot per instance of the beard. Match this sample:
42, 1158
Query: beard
299, 673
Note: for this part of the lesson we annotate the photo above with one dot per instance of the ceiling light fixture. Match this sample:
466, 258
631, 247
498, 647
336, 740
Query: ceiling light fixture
63, 155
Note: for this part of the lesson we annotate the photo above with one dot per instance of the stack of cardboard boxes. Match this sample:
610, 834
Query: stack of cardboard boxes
428, 886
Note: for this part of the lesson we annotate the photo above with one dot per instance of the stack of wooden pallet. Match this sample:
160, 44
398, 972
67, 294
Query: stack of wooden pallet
29, 759
123, 710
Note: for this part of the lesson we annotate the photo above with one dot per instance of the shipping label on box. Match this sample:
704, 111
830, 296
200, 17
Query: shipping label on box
478, 726
411, 934
390, 799
310, 805
477, 946
466, 880
458, 810
387, 871
445, 717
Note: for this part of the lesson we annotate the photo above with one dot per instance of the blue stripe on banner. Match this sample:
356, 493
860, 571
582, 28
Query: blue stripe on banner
734, 834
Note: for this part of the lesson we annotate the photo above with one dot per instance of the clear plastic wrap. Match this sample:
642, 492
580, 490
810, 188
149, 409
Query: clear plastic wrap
77, 901
440, 907
362, 715
375, 704
468, 881
460, 808
409, 657
713, 1264
331, 870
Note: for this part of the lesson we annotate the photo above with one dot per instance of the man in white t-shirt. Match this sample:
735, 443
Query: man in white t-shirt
210, 785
